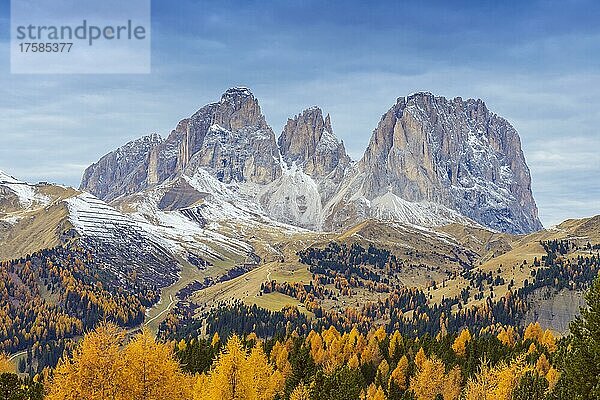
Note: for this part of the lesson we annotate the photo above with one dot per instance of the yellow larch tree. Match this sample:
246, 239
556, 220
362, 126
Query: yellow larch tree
460, 343
496, 383
151, 371
383, 369
542, 365
280, 357
231, 379
353, 363
215, 340
202, 387
400, 373
5, 364
428, 381
534, 331
452, 384
552, 376
95, 371
395, 344
262, 372
549, 341
420, 358
374, 393
301, 392
508, 336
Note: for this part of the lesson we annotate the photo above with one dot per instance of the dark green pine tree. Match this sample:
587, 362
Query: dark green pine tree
14, 388
10, 387
580, 378
531, 387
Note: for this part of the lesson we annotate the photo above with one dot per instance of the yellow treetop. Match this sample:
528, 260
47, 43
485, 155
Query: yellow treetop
5, 365
301, 392
400, 373
460, 343
534, 331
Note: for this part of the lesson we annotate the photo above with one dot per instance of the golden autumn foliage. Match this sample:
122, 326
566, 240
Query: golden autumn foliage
332, 349
460, 343
552, 376
374, 393
395, 343
542, 365
107, 367
549, 341
102, 368
280, 357
5, 365
384, 368
400, 373
508, 336
420, 358
239, 375
534, 331
545, 338
215, 339
496, 383
301, 392
96, 369
151, 371
431, 380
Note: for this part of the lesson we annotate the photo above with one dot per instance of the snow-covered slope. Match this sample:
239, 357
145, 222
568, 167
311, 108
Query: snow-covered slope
26, 195
425, 213
294, 198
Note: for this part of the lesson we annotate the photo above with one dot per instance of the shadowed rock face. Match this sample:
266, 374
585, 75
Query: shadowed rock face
451, 152
430, 161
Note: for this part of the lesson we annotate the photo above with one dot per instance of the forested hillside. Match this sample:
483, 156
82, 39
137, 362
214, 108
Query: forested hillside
53, 296
340, 273
501, 362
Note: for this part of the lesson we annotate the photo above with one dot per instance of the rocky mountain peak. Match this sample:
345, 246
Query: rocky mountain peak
308, 140
238, 108
456, 153
236, 94
229, 138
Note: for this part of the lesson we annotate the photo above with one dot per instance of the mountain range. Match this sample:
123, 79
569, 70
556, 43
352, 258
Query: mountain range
430, 161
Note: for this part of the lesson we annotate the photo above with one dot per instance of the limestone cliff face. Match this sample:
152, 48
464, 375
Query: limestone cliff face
124, 170
315, 162
308, 140
237, 145
454, 153
229, 138
553, 309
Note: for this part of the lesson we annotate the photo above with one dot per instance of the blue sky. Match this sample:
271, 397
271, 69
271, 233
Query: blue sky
535, 63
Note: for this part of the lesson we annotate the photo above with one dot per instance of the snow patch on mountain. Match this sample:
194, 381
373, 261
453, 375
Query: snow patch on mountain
294, 198
423, 213
26, 193
91, 216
